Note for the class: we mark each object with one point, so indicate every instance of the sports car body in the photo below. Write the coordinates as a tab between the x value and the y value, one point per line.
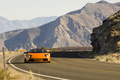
36	55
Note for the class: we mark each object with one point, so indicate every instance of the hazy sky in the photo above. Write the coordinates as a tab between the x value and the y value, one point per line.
28	9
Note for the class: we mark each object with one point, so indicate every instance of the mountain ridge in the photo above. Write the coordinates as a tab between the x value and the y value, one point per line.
103	2
69	30
7	25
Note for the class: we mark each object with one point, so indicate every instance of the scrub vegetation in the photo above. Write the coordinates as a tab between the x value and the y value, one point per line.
111	57
12	74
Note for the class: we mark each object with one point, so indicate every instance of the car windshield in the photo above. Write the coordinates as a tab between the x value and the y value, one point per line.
37	51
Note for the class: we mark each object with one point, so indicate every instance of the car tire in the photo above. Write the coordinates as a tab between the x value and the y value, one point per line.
49	62
25	61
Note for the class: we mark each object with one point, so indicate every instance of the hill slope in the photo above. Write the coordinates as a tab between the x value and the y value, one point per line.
106	38
72	29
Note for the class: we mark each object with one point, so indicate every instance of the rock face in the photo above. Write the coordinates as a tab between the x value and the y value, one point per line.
106	38
70	30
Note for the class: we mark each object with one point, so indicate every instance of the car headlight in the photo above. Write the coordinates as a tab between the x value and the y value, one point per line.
29	55
46	55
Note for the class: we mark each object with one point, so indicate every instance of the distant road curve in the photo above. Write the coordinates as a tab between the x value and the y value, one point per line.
69	66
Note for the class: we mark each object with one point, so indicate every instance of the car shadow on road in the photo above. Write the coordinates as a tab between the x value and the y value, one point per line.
25	63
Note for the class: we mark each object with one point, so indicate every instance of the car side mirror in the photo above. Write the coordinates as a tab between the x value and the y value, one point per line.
26	52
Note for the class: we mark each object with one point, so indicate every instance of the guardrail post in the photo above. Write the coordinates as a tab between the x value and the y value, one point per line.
3	49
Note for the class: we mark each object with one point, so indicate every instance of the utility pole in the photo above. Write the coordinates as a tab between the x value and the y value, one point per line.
3	49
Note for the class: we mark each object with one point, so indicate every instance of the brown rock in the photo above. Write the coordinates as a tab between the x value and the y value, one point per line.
106	38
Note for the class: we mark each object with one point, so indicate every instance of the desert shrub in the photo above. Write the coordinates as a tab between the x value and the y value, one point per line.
53	50
5	74
21	50
44	48
116	20
111	17
110	57
31	75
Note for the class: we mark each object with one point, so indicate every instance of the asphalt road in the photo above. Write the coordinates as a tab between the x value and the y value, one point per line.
71	66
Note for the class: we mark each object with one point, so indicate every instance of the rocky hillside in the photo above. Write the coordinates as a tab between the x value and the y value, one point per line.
106	38
72	29
7	25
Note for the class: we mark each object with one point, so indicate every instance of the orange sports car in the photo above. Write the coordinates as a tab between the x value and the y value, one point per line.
36	55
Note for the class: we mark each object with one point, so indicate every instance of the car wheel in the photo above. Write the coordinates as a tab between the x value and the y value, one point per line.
49	62
25	61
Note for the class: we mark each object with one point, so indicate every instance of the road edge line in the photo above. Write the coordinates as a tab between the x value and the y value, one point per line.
80	55
9	61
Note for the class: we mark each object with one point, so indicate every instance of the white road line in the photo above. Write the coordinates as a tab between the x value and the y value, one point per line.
80	55
9	61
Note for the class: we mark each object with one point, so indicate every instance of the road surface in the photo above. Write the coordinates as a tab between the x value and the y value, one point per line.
71	66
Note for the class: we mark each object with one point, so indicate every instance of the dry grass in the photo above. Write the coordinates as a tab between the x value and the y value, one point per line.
116	20
114	15
12	74
111	57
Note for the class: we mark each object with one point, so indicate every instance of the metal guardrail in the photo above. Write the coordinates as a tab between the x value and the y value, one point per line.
70	49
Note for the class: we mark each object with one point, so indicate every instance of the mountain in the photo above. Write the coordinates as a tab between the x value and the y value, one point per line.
72	29
7	25
103	2
106	38
117	4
